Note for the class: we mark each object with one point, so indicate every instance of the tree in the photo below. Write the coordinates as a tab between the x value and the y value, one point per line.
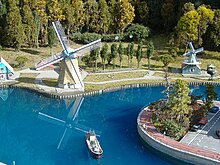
114	53
51	38
14	28
150	52
94	54
214	29
120	53
187	27
125	16
132	52
179	101
92	14
54	11
104	17
166	59
113	10
142	13
128	51
168	14
206	16
29	24
210	96
138	31
104	54
139	53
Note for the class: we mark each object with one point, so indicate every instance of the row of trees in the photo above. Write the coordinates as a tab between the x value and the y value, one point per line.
28	21
117	52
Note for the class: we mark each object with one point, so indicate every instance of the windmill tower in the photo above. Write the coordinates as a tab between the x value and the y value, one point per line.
69	76
191	65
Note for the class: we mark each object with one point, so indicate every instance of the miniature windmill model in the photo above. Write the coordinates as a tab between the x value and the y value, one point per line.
191	65
69	76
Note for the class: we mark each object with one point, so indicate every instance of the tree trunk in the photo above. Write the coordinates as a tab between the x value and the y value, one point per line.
149	63
120	64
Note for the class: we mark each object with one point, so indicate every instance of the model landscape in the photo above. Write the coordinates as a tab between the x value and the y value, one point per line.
72	49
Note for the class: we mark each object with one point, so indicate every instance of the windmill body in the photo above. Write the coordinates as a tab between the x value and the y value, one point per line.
69	76
191	65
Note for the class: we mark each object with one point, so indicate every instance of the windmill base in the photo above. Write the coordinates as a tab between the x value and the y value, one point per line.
70	86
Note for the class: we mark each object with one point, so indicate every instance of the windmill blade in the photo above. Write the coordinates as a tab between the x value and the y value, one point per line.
199	50
191	46
51	119
49	61
75	108
64	139
61	35
87	48
85	129
187	53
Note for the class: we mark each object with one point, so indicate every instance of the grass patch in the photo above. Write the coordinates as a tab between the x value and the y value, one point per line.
27	79
50	82
114	76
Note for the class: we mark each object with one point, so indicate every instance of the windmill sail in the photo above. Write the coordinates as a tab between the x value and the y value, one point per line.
61	35
49	61
87	48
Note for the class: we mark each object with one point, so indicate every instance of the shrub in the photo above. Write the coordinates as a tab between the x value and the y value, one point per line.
21	60
138	31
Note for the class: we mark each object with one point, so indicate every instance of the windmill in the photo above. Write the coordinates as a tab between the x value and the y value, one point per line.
70	123
69	76
191	65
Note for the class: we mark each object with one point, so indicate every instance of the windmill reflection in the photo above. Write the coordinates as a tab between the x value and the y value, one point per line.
5	93
71	122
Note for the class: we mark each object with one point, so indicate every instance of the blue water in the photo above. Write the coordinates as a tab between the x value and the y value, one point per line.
30	139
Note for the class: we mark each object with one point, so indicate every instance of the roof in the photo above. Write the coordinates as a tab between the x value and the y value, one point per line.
6	64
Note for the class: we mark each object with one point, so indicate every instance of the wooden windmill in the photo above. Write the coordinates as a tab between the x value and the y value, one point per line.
191	65
69	76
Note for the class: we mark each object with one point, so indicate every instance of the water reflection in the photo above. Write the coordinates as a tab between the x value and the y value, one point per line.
5	93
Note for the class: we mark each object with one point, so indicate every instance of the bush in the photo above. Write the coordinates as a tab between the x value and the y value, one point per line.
21	60
85	38
166	59
138	31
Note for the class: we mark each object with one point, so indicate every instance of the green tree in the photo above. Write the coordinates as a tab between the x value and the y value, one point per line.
210	96
51	38
114	53
187	27
214	30
179	102
168	14
113	10
104	54
92	15
139	53
14	29
142	13
138	31
128	52
149	52
125	16
166	59
120	53
206	16
29	24
94	54
104	17
132	53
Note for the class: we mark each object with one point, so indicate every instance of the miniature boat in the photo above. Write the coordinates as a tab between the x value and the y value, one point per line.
93	145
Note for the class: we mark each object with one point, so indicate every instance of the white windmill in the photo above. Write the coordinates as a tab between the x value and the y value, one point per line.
69	76
191	65
70	123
